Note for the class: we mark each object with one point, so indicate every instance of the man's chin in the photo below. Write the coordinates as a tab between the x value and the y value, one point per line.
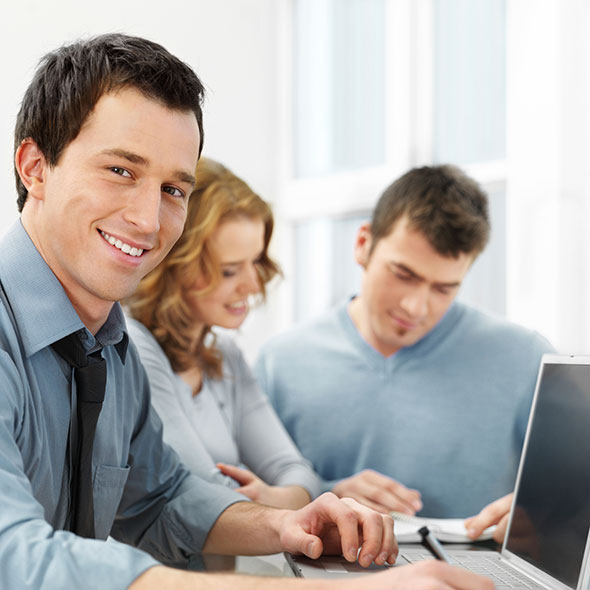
405	338
114	293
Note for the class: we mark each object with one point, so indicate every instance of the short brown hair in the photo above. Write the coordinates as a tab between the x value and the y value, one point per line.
161	301
70	81
441	202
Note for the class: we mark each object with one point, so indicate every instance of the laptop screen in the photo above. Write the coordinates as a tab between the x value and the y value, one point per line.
551	516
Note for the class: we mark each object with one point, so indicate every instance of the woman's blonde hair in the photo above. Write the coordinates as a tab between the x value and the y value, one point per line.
162	299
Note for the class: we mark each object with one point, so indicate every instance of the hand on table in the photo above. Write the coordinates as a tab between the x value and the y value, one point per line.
256	489
495	513
379	492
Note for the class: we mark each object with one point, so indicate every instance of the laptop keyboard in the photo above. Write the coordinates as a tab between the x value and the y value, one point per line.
503	576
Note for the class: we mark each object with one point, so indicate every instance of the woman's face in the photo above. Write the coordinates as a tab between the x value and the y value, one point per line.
237	245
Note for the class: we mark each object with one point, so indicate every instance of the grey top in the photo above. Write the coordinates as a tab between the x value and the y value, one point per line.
142	494
229	421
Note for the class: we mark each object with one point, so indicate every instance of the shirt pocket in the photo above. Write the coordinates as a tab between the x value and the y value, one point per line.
109	483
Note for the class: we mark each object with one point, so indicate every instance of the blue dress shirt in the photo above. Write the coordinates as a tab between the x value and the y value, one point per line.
143	496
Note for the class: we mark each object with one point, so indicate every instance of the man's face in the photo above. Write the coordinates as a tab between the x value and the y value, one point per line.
406	287
115	203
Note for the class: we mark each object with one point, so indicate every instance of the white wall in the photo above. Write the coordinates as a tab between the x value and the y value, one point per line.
230	43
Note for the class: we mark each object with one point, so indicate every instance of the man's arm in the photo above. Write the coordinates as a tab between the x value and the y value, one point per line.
164	510
420	576
34	554
327	525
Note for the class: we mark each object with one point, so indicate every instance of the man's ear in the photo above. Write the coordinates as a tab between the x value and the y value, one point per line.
362	246
31	166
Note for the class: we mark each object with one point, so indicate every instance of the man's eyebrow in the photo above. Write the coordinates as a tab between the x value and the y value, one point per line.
127	155
134	158
451	285
185	177
407	269
415	275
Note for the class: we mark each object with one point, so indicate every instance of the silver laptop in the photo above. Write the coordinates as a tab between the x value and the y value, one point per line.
546	544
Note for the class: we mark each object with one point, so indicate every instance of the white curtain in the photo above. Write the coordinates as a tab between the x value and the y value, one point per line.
548	148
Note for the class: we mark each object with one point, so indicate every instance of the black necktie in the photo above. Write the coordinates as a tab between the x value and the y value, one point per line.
90	373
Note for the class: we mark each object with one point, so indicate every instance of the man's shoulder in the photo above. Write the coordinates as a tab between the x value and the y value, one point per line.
317	333
10	341
481	328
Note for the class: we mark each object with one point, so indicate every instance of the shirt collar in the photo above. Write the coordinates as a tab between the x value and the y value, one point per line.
41	308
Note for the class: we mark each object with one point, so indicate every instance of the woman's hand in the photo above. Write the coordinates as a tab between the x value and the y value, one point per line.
256	489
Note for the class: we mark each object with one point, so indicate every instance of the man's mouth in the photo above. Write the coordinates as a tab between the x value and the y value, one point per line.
405	324
120	245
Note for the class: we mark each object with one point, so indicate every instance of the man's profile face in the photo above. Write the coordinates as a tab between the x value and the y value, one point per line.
115	203
407	287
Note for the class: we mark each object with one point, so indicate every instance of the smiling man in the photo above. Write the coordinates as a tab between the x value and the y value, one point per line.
404	398
106	144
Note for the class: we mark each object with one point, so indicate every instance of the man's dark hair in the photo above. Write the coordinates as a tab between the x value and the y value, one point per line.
441	202
69	82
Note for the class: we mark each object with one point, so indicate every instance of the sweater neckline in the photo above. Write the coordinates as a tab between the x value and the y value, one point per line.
376	359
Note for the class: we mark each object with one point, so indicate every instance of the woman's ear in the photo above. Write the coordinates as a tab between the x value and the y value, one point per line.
362	246
31	166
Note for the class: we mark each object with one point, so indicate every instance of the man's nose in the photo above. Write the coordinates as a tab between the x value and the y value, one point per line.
415	302
143	210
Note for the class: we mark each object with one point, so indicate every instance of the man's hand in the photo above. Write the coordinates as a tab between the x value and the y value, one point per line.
379	492
495	513
425	575
256	489
332	526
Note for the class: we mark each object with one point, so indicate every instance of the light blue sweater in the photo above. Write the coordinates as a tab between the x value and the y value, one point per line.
446	416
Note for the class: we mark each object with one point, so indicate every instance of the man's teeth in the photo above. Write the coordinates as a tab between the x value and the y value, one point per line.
131	250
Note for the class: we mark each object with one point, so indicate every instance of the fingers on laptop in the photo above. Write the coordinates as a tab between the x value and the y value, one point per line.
376	535
335	526
495	513
379	492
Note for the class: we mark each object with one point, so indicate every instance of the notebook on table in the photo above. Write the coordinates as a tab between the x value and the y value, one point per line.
448	530
546	543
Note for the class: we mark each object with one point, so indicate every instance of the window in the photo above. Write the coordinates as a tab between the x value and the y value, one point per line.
339	78
378	87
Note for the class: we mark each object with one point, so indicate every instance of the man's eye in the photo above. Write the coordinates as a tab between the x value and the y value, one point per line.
120	171
403	277
172	190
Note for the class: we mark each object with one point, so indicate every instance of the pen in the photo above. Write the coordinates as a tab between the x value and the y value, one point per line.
433	545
